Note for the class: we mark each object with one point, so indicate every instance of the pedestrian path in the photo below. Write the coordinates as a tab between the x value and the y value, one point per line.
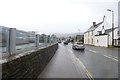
62	66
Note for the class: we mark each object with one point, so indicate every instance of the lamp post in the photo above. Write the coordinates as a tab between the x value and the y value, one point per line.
112	26
79	34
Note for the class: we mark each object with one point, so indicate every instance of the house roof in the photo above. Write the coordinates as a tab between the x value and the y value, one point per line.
92	28
109	30
101	35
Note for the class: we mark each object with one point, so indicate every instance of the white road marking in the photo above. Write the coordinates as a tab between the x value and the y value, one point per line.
92	51
114	57
80	64
111	58
85	69
108	56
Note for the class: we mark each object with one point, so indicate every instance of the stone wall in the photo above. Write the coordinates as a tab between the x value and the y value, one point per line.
28	66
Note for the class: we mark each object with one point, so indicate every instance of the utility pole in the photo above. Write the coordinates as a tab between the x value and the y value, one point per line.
112	26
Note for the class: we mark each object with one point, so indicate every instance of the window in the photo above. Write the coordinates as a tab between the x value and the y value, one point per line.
88	41
99	32
97	41
92	40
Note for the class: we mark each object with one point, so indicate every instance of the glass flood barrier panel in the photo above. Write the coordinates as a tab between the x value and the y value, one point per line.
24	40
42	40
4	33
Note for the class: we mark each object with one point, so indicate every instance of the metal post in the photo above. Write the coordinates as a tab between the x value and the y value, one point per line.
37	41
11	45
112	28
50	40
108	40
53	39
119	23
45	40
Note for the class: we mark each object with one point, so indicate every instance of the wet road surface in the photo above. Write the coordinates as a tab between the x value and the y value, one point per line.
94	62
100	62
64	64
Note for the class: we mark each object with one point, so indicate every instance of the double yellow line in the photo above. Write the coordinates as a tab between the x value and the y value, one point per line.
86	71
82	65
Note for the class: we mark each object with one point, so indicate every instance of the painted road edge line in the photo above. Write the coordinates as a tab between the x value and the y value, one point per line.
82	65
85	69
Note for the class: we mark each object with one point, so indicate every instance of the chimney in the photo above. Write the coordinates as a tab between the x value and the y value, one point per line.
104	18
94	23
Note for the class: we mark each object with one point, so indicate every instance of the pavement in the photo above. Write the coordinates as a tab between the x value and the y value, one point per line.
94	62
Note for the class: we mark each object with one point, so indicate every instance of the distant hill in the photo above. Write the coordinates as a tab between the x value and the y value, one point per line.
67	34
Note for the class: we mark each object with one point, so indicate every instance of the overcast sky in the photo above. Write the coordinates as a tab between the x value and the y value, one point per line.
55	16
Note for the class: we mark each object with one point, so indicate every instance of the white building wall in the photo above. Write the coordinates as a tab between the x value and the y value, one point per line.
115	36
85	38
105	40
88	38
101	41
92	37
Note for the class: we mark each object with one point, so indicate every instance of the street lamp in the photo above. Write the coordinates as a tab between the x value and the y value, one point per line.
112	26
79	34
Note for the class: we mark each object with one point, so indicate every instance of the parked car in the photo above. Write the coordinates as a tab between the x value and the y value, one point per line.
78	46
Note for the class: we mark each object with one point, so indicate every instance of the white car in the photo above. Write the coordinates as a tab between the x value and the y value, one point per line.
78	46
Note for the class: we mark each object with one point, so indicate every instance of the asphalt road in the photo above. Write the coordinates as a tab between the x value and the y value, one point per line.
99	61
64	64
93	62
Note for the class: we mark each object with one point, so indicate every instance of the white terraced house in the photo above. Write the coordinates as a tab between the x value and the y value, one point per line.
100	34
